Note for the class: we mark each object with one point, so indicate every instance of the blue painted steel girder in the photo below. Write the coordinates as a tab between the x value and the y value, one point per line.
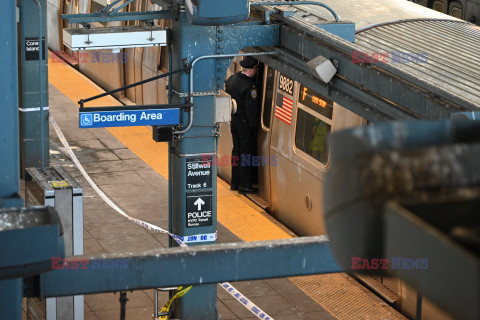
232	39
9	157
192	266
119	16
411	100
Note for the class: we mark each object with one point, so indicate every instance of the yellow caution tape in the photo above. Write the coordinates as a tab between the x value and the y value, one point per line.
166	308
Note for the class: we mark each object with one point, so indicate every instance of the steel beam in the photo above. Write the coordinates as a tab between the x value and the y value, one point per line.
206	264
231	39
346	95
119	16
384	85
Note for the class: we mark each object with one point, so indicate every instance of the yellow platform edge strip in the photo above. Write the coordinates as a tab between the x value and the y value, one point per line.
234	211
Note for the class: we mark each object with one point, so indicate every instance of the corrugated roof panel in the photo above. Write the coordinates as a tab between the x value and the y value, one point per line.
368	12
453	52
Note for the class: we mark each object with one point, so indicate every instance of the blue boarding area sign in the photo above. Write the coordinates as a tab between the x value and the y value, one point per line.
128	118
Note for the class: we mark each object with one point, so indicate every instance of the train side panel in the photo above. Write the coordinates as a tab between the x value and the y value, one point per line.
299	140
264	134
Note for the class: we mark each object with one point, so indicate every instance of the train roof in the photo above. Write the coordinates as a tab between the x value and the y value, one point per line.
367	13
450	44
451	49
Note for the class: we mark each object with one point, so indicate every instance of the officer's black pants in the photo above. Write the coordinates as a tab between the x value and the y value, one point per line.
243	149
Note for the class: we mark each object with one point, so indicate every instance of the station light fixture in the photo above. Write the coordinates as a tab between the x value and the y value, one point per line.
114	38
322	68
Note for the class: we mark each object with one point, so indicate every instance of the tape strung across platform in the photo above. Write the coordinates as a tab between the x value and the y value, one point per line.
259	313
166	308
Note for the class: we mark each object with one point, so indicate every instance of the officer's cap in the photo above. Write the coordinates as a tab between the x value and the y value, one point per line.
249	62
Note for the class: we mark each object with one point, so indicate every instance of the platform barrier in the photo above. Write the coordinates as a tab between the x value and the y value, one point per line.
56	188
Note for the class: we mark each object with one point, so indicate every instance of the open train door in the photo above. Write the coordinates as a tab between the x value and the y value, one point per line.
266	86
266	78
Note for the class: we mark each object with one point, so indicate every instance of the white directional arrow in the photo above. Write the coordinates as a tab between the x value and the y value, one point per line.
199	203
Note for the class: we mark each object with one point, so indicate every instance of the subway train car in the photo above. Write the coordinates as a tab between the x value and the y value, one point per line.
468	10
295	119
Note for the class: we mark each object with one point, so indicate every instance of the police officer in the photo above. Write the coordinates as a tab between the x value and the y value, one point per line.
245	122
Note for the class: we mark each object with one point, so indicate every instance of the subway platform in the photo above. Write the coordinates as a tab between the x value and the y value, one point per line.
132	170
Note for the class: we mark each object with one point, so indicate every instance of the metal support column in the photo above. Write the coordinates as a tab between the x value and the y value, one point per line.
9	158
191	216
11	299
193	201
10	290
33	120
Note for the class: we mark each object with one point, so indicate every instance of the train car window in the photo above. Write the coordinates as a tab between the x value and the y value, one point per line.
311	135
314	123
315	101
269	88
439	6
456	10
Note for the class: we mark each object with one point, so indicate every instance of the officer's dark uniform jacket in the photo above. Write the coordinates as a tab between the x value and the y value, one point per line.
244	126
242	88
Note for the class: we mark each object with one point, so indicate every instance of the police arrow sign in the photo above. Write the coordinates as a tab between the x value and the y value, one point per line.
199	209
199	203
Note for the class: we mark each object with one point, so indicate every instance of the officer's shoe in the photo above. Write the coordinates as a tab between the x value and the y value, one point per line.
234	187
247	190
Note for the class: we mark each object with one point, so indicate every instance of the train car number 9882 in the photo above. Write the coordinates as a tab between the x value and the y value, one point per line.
285	84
